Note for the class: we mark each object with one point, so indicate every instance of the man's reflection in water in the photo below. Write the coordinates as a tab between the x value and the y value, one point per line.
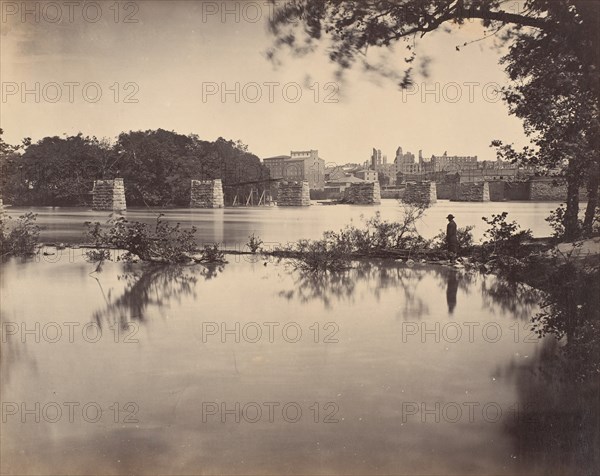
451	291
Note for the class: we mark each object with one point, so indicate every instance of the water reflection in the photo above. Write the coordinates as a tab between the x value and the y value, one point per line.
372	276
370	372
451	291
515	299
555	426
149	286
377	277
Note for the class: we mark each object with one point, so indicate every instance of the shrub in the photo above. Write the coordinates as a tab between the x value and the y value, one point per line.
162	243
212	254
97	255
379	234
18	237
319	256
254	243
503	237
334	250
464	235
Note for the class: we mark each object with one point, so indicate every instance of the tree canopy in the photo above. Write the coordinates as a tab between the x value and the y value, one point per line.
157	166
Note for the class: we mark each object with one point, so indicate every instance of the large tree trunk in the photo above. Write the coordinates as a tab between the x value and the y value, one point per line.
571	218
592	204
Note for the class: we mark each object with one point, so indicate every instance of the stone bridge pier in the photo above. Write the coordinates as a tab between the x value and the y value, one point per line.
366	193
207	194
293	194
109	195
472	192
420	193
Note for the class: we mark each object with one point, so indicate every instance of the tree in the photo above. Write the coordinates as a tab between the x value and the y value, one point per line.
545	36
157	166
55	170
8	154
383	179
554	90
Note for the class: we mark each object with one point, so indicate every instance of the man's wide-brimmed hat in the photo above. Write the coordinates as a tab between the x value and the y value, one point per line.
450	216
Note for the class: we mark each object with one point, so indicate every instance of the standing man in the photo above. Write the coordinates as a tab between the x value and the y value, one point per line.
451	237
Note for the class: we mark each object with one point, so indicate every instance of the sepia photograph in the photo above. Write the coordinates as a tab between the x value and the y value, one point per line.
300	237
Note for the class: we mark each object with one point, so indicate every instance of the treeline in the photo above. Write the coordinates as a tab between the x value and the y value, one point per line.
157	166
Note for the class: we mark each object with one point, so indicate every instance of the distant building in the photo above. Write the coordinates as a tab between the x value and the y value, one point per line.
448	163
334	173
405	163
376	159
298	166
367	175
339	185
379	164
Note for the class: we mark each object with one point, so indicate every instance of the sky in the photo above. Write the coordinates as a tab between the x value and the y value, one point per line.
101	68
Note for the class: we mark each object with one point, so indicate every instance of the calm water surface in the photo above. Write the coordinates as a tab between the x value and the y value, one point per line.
285	224
382	369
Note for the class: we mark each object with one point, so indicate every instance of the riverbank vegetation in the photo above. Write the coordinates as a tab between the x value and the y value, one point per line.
161	243
18	237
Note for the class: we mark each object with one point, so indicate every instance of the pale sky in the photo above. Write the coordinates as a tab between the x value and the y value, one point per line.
179	49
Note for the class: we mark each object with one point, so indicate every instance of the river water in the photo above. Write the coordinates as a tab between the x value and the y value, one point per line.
280	225
256	367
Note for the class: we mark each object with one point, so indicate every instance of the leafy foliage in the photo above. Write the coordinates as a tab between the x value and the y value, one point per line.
157	167
212	254
18	237
464	235
378	234
335	249
254	243
97	255
504	237
163	243
319	256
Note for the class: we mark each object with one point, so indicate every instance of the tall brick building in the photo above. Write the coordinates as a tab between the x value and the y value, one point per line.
298	166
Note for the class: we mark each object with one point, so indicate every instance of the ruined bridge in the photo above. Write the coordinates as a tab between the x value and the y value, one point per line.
110	194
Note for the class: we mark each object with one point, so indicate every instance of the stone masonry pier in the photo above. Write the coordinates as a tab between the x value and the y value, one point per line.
420	193
472	192
293	194
109	195
547	189
207	194
366	193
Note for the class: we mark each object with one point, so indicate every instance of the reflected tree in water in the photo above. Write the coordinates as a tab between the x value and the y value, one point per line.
151	286
512	298
327	286
555	423
337	286
12	351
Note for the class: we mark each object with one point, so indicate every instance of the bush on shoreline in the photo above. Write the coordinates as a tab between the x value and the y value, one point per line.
335	250
464	235
162	243
504	238
18	237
